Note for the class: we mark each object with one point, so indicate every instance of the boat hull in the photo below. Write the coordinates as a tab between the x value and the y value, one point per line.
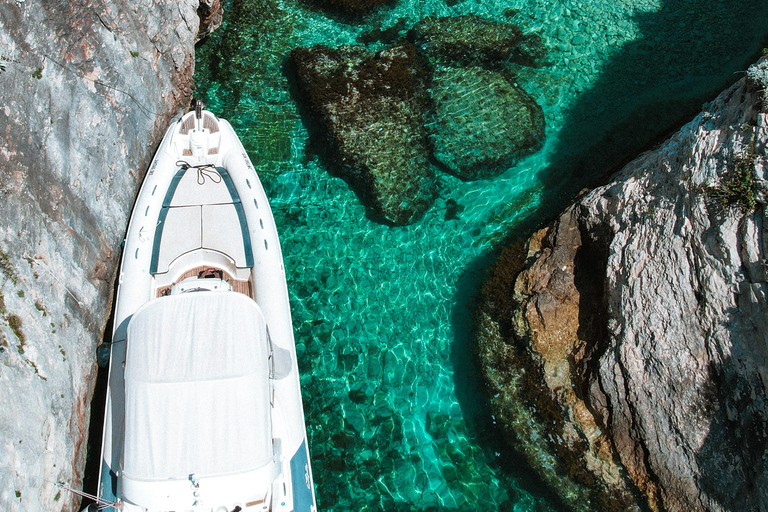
156	259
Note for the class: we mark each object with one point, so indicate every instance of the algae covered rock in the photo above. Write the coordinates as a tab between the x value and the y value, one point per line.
369	111
448	95
624	345
474	41
482	121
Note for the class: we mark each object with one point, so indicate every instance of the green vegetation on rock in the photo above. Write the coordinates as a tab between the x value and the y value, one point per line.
737	187
6	267
14	322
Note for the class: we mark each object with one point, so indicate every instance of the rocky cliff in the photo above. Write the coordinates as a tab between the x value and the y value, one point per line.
87	89
626	345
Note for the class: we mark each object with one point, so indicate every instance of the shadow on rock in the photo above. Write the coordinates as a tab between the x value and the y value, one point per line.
734	456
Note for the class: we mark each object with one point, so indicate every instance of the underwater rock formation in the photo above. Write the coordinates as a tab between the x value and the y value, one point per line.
350	7
448	95
481	121
369	109
88	89
624	345
473	41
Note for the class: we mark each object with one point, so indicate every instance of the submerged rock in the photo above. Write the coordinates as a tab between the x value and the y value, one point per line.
369	111
376	113
481	122
624	345
350	7
88	89
474	41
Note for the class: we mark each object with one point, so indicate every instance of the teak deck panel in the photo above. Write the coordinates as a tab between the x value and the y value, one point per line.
238	286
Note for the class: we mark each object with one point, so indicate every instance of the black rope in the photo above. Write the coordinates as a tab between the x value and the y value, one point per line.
203	171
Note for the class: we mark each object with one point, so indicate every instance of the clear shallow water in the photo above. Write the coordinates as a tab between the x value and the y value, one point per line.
394	410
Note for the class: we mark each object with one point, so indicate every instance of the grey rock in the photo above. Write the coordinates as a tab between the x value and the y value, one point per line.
86	91
637	323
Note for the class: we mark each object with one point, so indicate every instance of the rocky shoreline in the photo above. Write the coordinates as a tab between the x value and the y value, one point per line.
624	344
87	90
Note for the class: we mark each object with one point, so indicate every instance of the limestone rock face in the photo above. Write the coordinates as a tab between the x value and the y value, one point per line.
626	344
370	110
87	89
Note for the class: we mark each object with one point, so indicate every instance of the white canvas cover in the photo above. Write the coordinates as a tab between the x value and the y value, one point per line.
197	388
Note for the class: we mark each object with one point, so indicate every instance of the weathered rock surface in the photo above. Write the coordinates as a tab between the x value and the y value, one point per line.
625	345
211	14
481	121
87	89
370	111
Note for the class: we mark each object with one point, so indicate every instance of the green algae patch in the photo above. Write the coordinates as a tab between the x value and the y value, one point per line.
14	322
6	268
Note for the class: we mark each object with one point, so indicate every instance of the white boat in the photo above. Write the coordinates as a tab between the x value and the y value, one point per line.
203	409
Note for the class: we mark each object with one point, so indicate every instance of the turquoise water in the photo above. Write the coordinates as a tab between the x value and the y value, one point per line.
395	412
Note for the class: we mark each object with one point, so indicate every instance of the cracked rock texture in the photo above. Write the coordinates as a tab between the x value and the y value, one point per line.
626	345
87	88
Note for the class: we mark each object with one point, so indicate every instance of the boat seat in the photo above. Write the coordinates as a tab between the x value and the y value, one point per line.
198	187
201	211
186	228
